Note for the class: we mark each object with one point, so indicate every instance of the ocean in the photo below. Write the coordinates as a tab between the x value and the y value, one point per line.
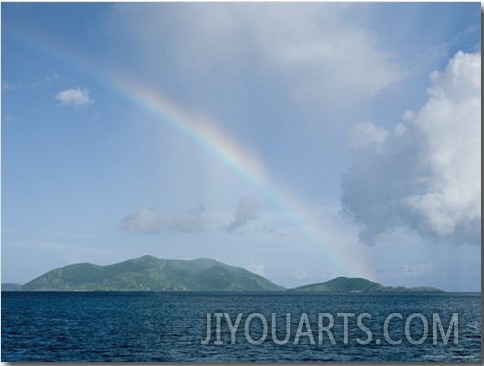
172	326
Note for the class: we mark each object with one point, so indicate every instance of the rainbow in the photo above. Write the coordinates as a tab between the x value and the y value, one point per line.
246	164
200	131
215	141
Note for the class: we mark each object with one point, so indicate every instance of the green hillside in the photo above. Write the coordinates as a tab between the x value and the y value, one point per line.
151	274
342	284
356	285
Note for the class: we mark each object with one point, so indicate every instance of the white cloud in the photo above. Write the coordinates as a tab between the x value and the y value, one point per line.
323	57
256	267
450	123
400	129
20	85
50	78
408	115
247	210
149	221
8	86
366	134
77	97
429	177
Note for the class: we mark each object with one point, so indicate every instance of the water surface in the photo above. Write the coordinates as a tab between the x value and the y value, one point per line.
142	326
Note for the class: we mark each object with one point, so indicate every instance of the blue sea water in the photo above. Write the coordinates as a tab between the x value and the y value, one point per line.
129	326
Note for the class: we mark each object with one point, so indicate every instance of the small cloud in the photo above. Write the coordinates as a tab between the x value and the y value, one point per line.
247	210
400	129
77	97
257	268
148	221
8	86
49	79
408	115
366	134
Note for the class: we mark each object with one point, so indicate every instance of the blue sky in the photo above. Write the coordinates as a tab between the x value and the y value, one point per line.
300	141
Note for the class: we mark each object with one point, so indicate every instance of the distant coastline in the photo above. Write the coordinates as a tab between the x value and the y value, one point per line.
149	273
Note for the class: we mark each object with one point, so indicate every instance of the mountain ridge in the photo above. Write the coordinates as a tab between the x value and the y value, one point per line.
149	273
358	285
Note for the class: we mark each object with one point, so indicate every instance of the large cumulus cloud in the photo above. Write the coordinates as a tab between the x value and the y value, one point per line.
425	174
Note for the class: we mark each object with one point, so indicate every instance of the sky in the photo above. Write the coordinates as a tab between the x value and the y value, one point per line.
299	141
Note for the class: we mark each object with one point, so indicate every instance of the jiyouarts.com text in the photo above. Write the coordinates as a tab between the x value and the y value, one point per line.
324	328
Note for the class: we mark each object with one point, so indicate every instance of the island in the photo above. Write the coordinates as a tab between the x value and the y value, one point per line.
149	273
358	285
